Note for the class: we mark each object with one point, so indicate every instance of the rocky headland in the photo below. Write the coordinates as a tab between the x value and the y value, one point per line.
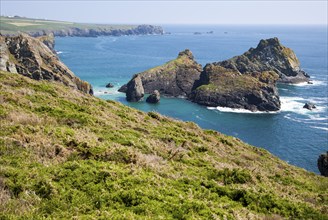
247	81
35	58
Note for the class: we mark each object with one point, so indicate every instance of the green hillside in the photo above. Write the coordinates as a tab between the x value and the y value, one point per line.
13	25
64	154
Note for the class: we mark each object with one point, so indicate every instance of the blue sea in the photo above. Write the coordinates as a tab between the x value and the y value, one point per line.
294	134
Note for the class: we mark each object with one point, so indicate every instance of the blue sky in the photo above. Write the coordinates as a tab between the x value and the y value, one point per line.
173	12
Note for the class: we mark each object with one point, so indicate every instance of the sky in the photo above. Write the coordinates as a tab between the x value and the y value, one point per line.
173	12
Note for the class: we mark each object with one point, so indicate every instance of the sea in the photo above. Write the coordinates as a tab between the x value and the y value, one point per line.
294	134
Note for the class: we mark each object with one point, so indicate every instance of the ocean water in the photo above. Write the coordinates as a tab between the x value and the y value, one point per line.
294	134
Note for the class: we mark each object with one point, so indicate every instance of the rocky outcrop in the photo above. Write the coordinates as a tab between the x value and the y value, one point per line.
323	164
154	97
135	90
269	55
219	86
309	106
49	41
175	78
100	30
30	57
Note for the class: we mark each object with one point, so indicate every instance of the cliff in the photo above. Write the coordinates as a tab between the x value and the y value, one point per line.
31	57
12	26
175	78
219	86
69	155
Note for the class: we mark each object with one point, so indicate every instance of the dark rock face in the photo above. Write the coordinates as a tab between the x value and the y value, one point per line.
49	41
100	31
135	90
323	164
109	85
309	106
269	55
175	78
30	57
223	87
154	97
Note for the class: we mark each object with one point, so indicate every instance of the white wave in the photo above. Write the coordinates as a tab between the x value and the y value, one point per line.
59	52
295	104
238	110
312	83
99	92
321	128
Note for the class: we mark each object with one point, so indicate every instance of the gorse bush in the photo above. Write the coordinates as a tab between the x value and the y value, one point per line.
65	155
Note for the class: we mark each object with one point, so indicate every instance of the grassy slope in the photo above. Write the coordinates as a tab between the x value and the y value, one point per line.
65	154
7	25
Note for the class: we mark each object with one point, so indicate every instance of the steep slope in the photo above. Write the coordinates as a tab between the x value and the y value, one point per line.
65	154
33	58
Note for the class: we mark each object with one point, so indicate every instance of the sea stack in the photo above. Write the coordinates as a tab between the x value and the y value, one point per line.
135	90
154	97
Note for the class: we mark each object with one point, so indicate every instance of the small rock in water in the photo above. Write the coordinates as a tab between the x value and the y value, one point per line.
154	97
323	164
310	82
309	106
109	85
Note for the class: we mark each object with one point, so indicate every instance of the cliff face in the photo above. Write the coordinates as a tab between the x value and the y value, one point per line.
219	86
100	31
175	78
30	57
269	55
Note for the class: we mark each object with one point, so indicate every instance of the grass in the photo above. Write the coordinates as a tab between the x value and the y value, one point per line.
13	25
64	154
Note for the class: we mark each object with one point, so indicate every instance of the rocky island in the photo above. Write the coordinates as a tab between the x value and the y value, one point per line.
247	81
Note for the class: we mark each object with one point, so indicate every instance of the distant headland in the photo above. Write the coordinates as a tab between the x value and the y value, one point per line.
38	27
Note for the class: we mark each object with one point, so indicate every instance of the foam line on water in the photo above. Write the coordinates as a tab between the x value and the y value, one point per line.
238	110
320	128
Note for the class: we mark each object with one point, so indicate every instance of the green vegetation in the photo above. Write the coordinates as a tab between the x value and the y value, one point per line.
13	25
64	154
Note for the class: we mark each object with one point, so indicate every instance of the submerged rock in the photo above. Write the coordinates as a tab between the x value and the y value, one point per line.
323	164
30	57
309	106
109	85
135	90
154	97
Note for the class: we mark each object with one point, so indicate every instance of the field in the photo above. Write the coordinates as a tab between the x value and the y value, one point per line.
13	25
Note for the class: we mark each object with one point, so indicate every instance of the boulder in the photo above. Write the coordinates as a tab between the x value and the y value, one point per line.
309	106
109	85
323	164
154	97
135	90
